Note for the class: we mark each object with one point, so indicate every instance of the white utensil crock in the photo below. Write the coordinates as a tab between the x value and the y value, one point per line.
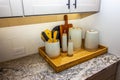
52	49
91	40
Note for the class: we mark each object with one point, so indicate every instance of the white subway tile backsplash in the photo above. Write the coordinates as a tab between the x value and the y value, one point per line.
26	36
6	50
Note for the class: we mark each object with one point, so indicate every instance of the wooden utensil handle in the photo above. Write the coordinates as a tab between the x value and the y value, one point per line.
66	19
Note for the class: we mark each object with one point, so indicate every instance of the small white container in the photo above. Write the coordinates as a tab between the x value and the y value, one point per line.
70	48
52	49
64	42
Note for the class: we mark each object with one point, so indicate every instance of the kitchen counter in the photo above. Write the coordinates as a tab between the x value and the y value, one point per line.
34	67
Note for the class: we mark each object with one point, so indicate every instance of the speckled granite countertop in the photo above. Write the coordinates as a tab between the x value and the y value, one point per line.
34	67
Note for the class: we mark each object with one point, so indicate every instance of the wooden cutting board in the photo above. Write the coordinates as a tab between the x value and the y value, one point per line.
65	27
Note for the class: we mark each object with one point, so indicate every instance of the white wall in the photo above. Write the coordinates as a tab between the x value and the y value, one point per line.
107	22
19	41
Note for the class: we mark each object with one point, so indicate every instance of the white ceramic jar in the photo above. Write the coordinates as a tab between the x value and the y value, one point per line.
52	49
76	37
91	40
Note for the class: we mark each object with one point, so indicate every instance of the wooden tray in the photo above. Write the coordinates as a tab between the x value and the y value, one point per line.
63	61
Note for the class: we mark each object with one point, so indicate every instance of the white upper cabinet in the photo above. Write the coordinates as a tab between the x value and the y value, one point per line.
16	7
37	7
84	5
5	10
9	8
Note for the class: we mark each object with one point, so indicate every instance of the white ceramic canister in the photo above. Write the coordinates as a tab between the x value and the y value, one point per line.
52	49
76	37
91	40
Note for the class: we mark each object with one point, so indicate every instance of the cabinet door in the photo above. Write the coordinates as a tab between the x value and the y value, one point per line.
16	7
38	7
9	8
5	10
85	5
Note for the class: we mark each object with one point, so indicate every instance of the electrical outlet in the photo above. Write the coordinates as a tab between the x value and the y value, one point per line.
19	51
